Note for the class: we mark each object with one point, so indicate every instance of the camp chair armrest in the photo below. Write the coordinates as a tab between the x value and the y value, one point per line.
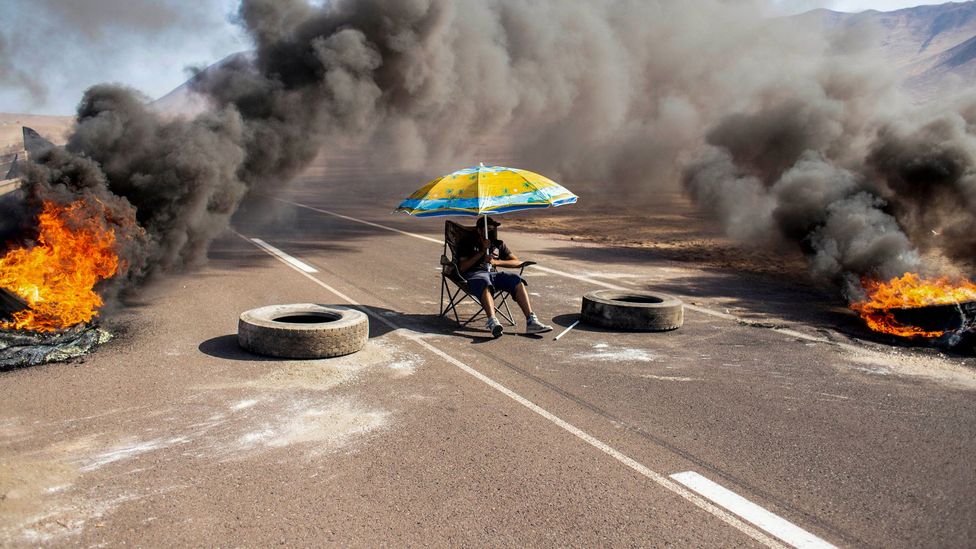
525	264
453	271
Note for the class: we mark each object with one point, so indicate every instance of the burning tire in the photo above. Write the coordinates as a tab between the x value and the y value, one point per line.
634	311
302	331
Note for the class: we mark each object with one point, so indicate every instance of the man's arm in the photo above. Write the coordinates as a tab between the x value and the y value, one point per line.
465	264
511	263
511	260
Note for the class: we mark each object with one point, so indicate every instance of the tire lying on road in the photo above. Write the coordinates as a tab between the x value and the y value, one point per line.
302	330
632	311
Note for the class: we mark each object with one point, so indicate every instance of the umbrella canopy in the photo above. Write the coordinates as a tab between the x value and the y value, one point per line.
483	190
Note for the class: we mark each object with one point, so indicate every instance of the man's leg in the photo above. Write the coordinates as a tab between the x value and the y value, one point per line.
480	285
488	302
532	324
522	298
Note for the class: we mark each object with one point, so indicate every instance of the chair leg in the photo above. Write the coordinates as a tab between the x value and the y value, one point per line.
477	313
471	318
503	310
443	287
451	302
458	296
455	302
509	317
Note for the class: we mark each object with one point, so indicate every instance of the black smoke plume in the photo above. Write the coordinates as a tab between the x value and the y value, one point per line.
878	200
789	136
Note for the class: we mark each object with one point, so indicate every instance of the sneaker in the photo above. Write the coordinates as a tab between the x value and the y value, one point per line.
495	327
533	326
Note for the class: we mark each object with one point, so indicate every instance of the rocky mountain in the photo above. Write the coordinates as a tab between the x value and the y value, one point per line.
183	101
933	47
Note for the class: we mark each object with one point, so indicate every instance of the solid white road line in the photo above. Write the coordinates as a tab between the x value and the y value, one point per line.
775	525
660	479
357	220
582	278
300	265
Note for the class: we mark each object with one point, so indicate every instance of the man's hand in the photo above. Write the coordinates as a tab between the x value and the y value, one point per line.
486	249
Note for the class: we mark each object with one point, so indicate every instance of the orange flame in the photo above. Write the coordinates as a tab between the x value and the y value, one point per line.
908	292
57	275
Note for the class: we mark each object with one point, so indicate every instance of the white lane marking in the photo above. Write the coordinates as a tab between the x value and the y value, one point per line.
301	265
660	479
774	524
571	326
582	278
364	222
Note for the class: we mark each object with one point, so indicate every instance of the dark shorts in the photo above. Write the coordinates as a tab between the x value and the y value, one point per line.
498	280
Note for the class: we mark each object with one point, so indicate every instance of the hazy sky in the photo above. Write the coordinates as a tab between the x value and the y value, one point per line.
796	6
52	50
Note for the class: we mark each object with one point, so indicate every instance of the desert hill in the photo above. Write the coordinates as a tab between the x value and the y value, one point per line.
932	47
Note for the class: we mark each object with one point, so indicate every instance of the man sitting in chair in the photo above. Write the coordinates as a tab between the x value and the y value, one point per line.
478	261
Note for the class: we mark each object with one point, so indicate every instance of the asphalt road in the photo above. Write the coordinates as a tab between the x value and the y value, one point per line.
434	435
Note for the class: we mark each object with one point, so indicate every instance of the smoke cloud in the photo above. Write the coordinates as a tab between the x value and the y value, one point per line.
875	195
16	78
789	136
54	49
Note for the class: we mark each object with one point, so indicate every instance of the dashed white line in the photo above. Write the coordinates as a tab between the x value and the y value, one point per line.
300	265
357	220
640	468
775	525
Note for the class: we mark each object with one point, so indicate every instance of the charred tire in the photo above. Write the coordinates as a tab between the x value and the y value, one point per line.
302	331
632	311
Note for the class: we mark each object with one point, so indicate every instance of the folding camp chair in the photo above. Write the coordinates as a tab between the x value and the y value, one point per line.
454	235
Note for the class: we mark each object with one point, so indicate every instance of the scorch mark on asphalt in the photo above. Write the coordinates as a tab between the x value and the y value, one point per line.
727	516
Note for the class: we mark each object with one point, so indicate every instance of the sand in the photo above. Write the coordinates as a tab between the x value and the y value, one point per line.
670	227
53	128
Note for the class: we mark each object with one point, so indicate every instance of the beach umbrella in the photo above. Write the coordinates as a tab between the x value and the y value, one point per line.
484	190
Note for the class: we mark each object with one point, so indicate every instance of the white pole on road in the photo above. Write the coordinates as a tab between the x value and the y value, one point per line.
571	326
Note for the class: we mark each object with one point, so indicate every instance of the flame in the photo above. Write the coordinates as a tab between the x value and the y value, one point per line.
908	292
57	275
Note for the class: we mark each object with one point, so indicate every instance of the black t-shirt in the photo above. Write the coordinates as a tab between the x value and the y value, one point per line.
471	246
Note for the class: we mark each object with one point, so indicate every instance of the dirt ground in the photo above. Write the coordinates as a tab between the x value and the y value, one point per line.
673	228
53	128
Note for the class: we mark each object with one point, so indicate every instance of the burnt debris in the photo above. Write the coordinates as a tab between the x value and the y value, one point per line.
950	318
20	348
10	303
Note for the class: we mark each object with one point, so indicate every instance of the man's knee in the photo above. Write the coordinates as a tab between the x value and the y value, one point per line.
511	282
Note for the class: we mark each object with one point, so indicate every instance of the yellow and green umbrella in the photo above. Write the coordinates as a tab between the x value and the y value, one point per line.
483	190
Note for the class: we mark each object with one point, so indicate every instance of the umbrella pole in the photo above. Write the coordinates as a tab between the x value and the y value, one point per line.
489	241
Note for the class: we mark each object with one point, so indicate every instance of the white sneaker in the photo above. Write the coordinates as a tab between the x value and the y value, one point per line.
533	326
495	327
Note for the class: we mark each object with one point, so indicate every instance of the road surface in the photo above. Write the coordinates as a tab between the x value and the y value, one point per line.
769	419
